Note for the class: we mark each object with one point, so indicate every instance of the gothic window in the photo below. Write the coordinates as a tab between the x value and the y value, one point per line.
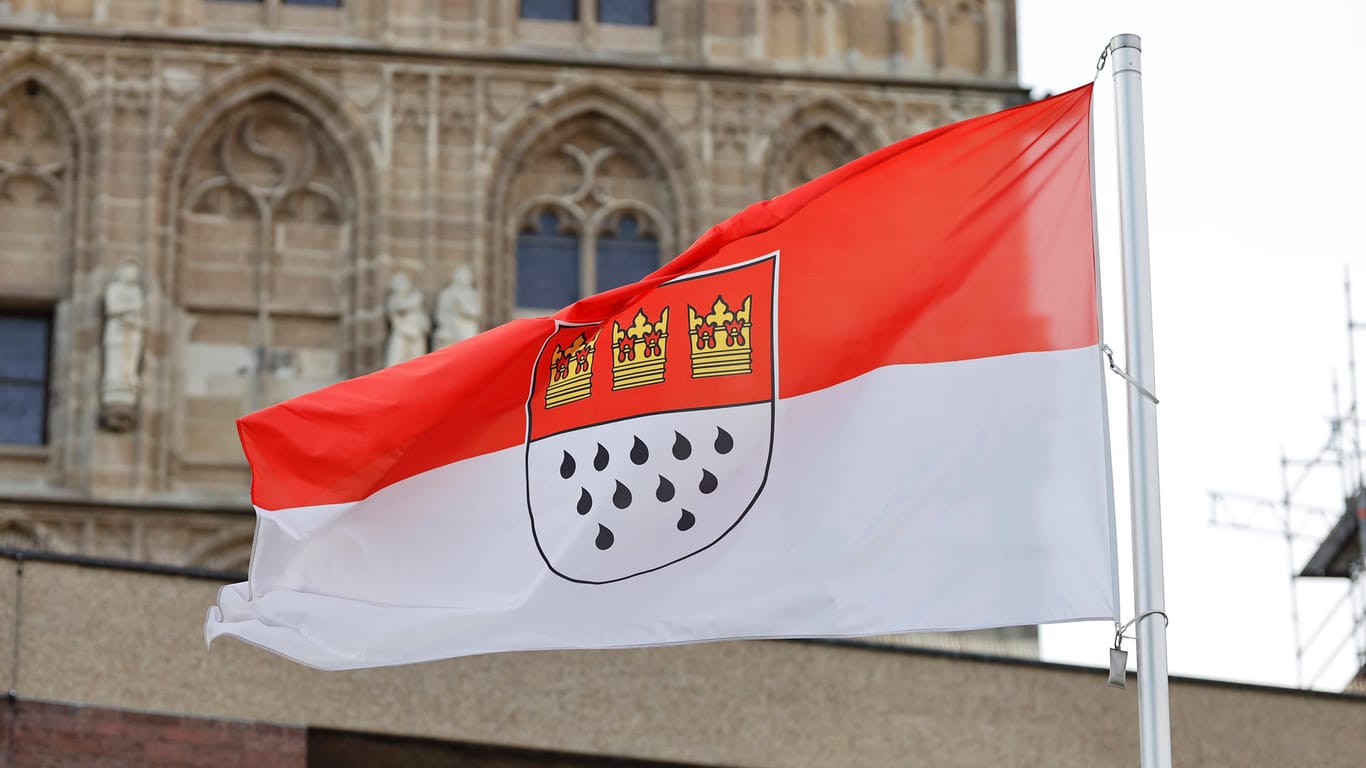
551	10
806	153
636	13
964	27
37	170
548	270
24	363
37	177
264	259
633	12
591	211
625	253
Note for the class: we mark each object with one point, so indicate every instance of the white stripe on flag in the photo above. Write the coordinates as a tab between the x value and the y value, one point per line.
942	496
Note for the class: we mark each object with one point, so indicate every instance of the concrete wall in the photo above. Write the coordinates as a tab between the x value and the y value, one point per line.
132	640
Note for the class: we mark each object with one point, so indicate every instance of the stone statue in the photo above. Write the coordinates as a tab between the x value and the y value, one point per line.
125	332
409	324
458	308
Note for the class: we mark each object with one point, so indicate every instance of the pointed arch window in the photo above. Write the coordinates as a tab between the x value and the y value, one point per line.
548	263
639	13
266	247
551	10
556	266
24	363
589	209
626	253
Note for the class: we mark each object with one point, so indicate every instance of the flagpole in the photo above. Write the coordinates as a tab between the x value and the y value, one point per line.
1154	716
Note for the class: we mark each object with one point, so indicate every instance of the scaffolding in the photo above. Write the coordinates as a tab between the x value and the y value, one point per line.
1337	535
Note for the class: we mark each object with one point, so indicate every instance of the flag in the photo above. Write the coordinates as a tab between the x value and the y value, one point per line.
871	405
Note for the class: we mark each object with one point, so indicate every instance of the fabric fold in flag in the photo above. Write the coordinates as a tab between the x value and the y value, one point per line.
873	404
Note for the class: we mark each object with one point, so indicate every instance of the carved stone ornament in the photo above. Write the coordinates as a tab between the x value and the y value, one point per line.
125	331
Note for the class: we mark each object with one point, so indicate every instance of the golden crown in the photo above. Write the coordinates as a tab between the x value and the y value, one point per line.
719	340
571	372
638	351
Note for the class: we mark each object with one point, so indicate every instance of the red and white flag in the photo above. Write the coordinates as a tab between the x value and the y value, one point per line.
871	405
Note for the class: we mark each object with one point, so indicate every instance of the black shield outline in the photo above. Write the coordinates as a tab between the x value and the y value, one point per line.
772	417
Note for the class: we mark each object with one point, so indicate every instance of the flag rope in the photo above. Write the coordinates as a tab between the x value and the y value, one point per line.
1120	637
1123	374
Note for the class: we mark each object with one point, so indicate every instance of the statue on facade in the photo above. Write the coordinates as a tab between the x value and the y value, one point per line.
458	308
125	332
409	324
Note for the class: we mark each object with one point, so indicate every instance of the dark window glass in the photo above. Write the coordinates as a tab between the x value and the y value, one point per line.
547	265
626	256
640	13
323	3
23	378
552	10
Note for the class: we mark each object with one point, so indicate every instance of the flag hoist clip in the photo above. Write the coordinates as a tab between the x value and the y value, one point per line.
1123	374
1119	658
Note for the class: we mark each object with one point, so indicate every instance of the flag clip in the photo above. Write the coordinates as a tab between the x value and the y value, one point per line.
1119	658
1123	374
1100	63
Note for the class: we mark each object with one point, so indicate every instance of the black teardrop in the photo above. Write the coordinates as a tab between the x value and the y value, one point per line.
605	537
665	491
686	520
708	483
600	458
682	448
622	497
585	501
724	442
567	466
639	453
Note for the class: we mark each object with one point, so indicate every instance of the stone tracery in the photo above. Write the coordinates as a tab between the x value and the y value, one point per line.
599	184
262	322
37	166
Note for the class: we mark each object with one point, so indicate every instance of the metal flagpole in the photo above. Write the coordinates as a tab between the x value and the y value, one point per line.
1154	717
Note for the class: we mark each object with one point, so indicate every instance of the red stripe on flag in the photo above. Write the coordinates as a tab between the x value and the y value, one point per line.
968	241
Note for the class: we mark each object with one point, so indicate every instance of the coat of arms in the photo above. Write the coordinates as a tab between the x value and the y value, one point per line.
649	435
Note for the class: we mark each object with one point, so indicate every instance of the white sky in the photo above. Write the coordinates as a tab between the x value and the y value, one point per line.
1254	144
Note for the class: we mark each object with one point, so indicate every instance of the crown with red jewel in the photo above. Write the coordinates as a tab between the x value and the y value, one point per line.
639	350
719	339
571	372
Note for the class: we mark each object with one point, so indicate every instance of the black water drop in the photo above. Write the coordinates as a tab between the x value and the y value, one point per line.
585	501
600	458
567	466
686	520
639	453
622	497
724	442
605	537
708	483
665	491
682	448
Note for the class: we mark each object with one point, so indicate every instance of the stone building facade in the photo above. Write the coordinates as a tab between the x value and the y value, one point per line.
263	168
204	207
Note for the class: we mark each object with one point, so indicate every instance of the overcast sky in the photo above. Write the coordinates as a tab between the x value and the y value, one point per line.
1254	143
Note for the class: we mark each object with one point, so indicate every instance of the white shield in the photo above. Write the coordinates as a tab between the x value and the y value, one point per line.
634	493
